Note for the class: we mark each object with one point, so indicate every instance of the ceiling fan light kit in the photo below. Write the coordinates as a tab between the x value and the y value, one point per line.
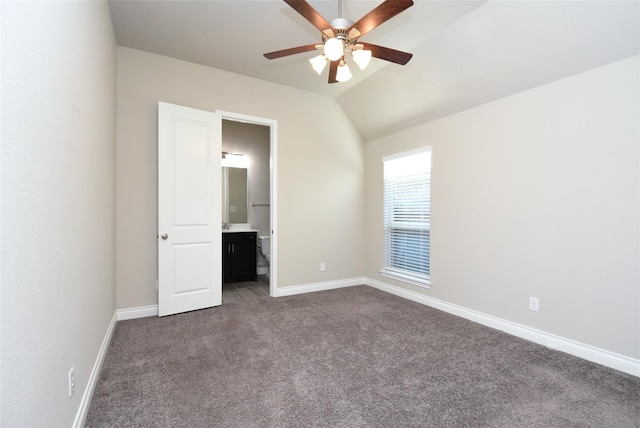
318	63
340	37
333	48
343	74
361	57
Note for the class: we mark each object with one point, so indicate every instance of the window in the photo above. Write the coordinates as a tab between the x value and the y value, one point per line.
407	216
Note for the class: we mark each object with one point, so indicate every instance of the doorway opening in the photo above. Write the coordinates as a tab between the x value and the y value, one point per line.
249	200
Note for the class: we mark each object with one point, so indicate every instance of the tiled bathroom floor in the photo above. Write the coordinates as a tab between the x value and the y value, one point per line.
243	291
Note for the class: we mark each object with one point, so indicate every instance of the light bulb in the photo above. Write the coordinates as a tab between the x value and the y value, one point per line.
343	74
235	160
318	63
361	57
333	49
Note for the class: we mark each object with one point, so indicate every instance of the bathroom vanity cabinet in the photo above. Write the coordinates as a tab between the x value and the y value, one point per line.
239	256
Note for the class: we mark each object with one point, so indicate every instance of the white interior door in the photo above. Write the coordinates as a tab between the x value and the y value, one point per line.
189	215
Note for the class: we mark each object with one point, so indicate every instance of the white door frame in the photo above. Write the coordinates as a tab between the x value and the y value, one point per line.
273	136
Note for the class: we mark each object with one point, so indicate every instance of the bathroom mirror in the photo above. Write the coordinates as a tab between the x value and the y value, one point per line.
234	195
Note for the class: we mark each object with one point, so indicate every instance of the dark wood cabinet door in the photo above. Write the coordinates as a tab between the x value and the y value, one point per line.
239	257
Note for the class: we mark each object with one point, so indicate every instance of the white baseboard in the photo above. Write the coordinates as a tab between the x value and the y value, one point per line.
83	410
317	286
139	312
577	349
152	310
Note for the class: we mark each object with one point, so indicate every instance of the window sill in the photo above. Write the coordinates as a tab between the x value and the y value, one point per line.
425	283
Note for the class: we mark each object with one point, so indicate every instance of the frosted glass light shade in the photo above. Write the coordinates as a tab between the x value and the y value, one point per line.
343	74
361	57
235	160
318	63
333	49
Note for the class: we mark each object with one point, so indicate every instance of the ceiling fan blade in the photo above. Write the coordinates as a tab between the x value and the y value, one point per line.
383	12
290	51
333	71
387	54
311	15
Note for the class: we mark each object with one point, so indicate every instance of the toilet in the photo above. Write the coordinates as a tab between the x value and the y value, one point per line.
264	243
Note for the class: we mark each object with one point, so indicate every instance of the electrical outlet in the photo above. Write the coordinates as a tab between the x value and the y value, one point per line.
323	267
534	304
72	382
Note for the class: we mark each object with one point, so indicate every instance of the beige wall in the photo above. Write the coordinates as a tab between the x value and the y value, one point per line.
320	174
58	204
537	195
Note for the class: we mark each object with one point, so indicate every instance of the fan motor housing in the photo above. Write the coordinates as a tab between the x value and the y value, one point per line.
341	29
341	24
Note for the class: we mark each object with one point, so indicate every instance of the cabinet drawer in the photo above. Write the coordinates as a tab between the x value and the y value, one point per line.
233	237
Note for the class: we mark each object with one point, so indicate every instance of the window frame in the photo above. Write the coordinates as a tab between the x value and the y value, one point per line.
387	270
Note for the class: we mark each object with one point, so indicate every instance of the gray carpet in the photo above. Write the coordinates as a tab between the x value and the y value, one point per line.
352	357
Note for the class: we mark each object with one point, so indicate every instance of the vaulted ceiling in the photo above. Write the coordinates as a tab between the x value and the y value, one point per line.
465	53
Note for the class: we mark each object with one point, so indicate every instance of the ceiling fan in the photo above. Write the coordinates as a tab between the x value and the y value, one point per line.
341	36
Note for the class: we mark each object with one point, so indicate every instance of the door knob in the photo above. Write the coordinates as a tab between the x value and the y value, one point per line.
164	236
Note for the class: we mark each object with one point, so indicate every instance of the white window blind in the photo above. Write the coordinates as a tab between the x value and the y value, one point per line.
407	216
